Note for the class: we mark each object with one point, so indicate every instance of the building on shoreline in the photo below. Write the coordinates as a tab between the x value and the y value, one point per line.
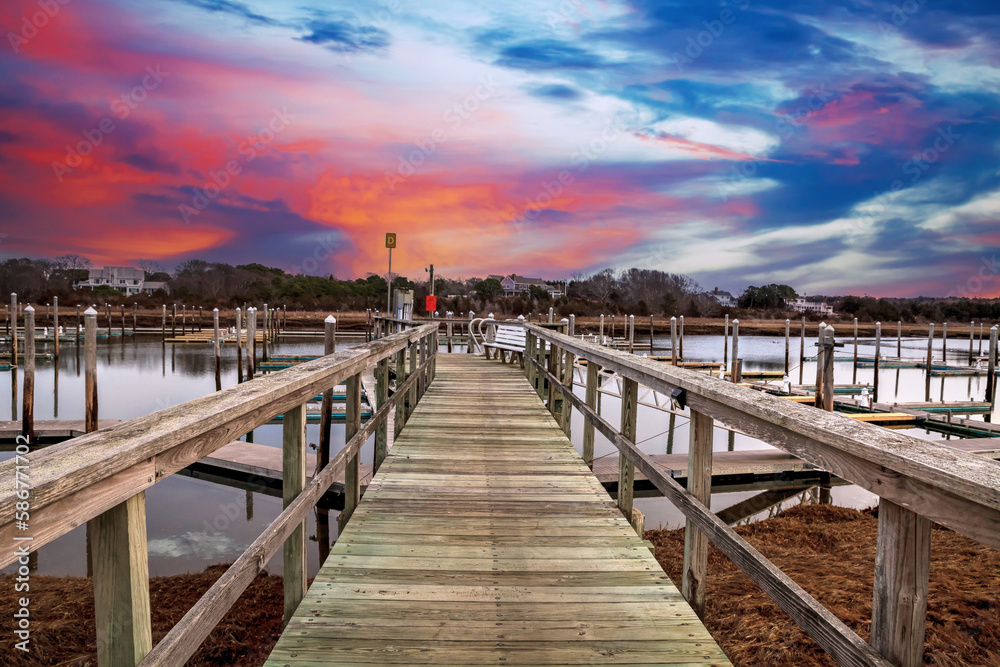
514	284
803	305
724	299
126	279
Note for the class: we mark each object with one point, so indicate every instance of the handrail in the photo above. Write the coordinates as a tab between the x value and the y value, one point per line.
917	481
100	478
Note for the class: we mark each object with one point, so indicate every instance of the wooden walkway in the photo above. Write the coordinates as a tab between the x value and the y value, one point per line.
485	539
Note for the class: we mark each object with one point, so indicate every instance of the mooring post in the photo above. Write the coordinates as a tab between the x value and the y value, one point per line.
820	365
650	334
218	350
699	485
878	353
612	328
725	341
673	341
55	324
980	349
265	333
28	398
930	353
79	332
293	478
626	469
972	338
551	314
680	337
90	368
571	331
326	418
183	319
902	567
736	351
13	329
828	385
122	306
788	333
135	316
631	333
899	339
601	339
239	346
450	330
163	325
251	342
802	352
173	322
944	342
991	367
593	378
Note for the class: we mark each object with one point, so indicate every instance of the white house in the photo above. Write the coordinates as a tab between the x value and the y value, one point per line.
126	279
803	305
725	299
515	284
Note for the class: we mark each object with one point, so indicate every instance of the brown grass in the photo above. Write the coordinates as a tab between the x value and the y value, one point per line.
830	552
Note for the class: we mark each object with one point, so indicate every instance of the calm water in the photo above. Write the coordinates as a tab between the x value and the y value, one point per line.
195	523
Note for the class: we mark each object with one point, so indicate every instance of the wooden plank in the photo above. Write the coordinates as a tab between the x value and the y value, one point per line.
293	470
629	422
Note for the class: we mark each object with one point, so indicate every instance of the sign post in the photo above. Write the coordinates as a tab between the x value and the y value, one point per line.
390	243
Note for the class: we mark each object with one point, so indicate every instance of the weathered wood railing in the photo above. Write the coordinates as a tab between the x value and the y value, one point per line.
100	479
917	481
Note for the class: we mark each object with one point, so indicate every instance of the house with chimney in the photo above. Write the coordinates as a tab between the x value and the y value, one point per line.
126	279
514	285
725	299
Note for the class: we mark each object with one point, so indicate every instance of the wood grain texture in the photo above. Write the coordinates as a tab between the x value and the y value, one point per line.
293	477
629	423
699	485
485	539
593	373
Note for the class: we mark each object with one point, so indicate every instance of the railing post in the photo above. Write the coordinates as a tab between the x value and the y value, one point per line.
381	398
593	378
28	404
399	418
329	347
90	369
699	485
352	473
529	368
626	469
293	476
13	329
412	396
902	565
567	381
422	375
555	355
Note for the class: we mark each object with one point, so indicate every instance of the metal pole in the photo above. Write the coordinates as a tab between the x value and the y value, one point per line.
388	298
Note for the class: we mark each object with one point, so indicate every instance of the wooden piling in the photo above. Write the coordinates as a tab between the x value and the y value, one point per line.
673	341
251	342
55	325
820	365
13	329
293	481
699	485
612	327
123	322
135	316
631	333
828	381
802	352
265	333
173	322
736	350
680	337
626	469
601	338
218	350
571	330
855	377
90	368
972	338
944	342
163	325
725	342
352	473
450	330
650	334
28	394
899	339
927	371
551	314
878	352
991	367
788	335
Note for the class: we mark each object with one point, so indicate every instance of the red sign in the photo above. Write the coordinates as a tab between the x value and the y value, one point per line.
432	304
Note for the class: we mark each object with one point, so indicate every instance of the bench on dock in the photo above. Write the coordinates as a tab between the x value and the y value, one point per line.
508	338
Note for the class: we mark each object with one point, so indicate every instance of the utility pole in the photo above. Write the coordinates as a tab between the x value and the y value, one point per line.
390	243
431	290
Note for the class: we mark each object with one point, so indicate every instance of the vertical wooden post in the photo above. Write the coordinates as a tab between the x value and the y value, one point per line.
266	332
529	353
551	314
680	337
600	340
991	366
352	473
567	382
163	325
878	354
902	565
699	485
184	317
930	354
118	557
28	398
412	396
123	321
381	398
173	322
736	350
593	378
899	339
239	346
944	342
788	336
626	469
820	365
571	331
329	347
55	324
725	342
828	348
90	368
400	378
13	329
293	480
217	341
554	358
972	338
450	331
631	333
251	342
135	316
674	358
422	375
469	345
855	380
802	353
79	330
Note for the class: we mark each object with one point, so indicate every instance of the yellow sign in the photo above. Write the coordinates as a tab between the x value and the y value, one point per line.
390	240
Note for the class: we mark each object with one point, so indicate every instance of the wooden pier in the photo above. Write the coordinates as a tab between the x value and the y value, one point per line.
485	539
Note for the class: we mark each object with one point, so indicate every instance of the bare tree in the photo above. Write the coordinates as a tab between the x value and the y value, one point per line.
72	261
149	266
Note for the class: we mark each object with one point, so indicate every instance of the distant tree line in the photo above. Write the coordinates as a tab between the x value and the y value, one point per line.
634	291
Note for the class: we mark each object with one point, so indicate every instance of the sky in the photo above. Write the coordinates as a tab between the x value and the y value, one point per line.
840	147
